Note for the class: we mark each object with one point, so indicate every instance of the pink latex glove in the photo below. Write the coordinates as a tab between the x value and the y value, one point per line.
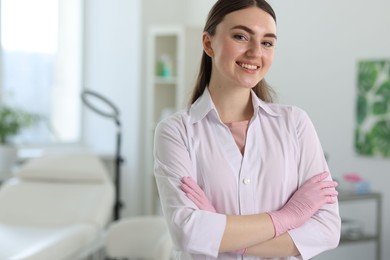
306	201
196	194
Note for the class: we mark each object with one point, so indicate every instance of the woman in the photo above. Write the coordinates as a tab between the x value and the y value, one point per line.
238	175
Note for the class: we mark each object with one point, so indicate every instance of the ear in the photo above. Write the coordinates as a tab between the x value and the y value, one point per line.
206	40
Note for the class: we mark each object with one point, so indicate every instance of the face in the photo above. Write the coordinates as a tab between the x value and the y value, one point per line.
242	48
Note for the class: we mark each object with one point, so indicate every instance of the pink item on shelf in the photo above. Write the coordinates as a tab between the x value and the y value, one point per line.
352	177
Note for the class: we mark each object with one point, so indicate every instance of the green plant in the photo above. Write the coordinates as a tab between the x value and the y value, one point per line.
372	133
12	120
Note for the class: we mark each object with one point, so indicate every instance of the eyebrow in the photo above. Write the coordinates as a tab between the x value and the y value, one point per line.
250	31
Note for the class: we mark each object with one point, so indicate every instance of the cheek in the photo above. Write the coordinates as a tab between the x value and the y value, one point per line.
224	58
224	52
227	50
268	58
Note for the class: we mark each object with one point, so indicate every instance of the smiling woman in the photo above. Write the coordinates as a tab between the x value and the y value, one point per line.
41	65
237	174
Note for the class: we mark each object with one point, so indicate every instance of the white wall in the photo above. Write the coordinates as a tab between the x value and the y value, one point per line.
112	68
319	45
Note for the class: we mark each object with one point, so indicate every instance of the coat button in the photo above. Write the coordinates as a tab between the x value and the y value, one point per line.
246	181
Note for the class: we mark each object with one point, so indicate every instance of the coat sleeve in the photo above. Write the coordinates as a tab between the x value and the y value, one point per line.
192	230
322	231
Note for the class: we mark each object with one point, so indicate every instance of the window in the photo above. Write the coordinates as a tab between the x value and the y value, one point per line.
41	66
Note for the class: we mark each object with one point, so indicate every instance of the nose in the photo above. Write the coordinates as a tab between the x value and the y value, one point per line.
255	50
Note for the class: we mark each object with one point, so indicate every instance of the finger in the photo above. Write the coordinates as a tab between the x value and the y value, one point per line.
188	190
317	178
322	176
331	200
191	182
328	184
194	200
332	193
186	179
199	203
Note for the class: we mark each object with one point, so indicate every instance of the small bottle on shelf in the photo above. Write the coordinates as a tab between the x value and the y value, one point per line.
164	67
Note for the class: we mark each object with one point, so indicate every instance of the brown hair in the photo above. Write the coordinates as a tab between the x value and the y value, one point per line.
220	9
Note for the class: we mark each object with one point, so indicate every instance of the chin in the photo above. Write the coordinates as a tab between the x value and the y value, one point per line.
249	85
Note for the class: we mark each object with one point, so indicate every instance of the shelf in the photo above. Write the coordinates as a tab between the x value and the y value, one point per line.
165	45
375	197
358	196
179	48
165	81
363	238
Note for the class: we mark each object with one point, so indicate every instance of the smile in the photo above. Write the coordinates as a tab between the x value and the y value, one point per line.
248	66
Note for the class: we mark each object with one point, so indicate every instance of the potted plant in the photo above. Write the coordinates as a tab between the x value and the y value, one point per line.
12	121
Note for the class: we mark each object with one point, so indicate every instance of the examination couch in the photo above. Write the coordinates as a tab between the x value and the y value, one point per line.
55	207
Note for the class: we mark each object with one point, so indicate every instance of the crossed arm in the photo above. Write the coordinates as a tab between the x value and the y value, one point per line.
258	234
273	240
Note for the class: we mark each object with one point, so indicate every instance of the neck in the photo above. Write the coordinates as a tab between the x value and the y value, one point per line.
233	104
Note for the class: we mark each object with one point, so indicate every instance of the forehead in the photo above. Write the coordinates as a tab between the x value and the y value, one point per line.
252	17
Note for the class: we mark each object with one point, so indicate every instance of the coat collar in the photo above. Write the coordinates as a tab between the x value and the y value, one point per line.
205	105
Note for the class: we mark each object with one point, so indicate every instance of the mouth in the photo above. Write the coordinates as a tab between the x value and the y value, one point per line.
248	66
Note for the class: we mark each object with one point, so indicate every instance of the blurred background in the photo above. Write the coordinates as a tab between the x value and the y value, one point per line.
144	55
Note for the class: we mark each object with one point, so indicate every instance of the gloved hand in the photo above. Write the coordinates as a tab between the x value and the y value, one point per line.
196	194
309	198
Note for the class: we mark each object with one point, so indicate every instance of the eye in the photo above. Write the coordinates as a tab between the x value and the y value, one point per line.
268	44
240	37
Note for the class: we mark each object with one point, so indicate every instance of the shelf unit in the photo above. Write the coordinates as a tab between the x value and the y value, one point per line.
166	93
376	237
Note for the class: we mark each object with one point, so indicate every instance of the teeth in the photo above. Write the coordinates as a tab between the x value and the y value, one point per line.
248	66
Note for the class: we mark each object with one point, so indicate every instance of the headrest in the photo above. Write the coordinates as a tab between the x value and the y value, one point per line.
65	167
